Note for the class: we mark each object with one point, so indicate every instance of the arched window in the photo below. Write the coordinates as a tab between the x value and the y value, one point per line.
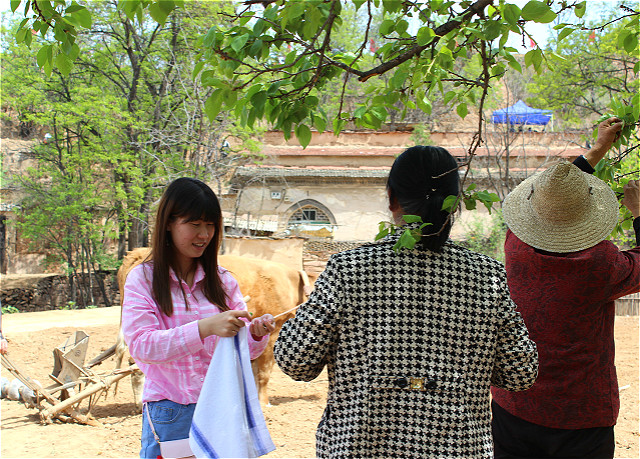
309	214
310	218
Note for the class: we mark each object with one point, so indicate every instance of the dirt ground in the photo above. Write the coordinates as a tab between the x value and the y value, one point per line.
292	417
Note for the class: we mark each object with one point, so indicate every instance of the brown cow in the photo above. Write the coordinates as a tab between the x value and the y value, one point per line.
271	287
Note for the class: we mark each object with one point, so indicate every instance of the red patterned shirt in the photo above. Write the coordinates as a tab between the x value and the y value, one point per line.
567	303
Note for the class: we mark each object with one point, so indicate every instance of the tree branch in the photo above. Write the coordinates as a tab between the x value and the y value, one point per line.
475	9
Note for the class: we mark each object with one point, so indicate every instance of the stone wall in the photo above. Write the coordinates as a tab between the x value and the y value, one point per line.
317	253
42	292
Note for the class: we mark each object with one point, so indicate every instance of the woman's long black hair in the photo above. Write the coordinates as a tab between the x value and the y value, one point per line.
420	180
192	200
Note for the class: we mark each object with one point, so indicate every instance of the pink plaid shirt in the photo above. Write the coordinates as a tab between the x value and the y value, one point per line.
169	350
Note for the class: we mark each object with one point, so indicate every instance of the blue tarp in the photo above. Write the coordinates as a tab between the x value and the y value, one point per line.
521	113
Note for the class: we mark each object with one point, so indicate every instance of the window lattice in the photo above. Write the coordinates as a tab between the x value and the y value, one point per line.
309	214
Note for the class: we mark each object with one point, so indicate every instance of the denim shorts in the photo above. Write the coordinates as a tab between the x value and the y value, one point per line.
171	421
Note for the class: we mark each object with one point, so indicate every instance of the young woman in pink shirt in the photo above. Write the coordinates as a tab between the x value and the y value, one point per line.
176	306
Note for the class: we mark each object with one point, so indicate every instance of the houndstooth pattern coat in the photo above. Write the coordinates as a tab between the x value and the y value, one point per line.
412	342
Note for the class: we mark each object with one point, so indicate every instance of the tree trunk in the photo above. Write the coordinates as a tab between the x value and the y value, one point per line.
103	290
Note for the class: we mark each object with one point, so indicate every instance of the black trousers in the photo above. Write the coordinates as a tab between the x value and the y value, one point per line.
514	437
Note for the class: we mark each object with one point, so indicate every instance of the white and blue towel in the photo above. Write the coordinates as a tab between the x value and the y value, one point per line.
228	419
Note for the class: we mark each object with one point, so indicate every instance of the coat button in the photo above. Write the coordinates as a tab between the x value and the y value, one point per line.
402	383
431	385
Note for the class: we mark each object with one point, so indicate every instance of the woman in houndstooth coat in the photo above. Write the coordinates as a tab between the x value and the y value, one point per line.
413	340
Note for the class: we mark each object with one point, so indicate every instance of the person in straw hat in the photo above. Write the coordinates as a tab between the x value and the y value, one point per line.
565	277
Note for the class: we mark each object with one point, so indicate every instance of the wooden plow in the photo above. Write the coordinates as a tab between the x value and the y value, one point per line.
74	382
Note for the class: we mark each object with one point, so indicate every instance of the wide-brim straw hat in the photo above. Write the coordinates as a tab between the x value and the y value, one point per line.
561	210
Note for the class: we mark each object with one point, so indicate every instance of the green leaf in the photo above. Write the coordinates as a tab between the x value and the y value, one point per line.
158	13
259	27
48	67
64	64
338	125
319	123
230	98
20	34
462	110
392	5
402	26
630	43
258	101
533	57
253	90
290	57
74	52
210	37
309	29
296	10
386	27
83	17
424	104
36	25
407	240
412	218
360	111
580	9
368	120
196	69
538	12
384	232
497	69
379	112
44	28
448	96
256	48
511	14
275	87
238	42
213	104
129	8
167	5
450	203
492	29
14	5
488	196
59	32
73	7
44	55
513	62
303	133
565	32
358	3
47	8
425	36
